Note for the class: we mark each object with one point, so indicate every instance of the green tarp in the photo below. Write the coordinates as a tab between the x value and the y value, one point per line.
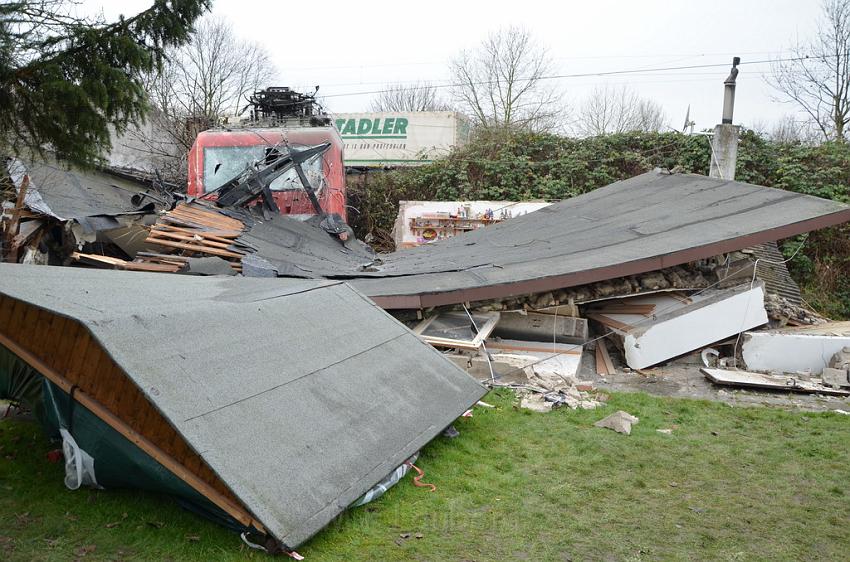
118	463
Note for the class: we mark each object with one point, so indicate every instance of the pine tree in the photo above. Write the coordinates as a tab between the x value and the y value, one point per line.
64	80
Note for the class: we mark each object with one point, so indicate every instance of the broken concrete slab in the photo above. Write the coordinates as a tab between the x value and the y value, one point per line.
798	349
769	382
619	421
677	326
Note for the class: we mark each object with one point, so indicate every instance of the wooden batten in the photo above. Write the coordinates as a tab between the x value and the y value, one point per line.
64	351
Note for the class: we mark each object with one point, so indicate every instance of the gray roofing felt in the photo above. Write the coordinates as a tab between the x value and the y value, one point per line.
299	394
651	221
74	194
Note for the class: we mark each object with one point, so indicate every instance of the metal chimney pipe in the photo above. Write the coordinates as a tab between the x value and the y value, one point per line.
729	93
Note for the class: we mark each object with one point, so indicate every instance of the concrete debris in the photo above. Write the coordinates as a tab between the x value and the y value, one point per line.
836	378
799	349
782	312
796	383
841	359
540	402
619	421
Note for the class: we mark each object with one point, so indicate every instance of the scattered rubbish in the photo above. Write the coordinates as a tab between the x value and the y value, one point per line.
536	403
706	355
619	421
679	326
770	382
450	432
423	222
801	348
665	431
842	412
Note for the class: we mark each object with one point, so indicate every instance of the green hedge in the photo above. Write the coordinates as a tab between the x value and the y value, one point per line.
526	166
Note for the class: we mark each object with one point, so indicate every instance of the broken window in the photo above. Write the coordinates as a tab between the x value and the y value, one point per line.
455	329
223	163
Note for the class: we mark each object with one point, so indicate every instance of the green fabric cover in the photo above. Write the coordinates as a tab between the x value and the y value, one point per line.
118	463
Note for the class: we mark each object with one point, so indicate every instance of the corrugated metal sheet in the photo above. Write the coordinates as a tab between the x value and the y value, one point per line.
772	270
299	394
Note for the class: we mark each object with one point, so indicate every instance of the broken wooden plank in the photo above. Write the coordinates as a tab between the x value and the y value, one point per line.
603	356
195	248
609	322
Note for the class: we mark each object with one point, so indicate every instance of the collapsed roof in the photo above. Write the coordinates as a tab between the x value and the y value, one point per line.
81	195
645	223
281	401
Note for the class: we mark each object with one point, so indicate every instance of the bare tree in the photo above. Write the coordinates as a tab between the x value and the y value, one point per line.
502	83
791	129
818	80
210	77
414	97
618	110
199	85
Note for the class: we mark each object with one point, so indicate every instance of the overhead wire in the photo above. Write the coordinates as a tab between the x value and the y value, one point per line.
575	75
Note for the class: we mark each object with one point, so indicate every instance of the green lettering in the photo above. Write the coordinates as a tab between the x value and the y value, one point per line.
401	126
388	125
340	123
376	127
364	127
349	128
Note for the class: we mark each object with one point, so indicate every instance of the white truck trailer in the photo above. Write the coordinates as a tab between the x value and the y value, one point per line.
388	139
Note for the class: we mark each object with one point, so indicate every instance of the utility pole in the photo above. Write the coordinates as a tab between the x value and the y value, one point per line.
724	143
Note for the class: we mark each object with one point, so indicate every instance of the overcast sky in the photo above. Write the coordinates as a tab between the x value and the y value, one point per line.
350	47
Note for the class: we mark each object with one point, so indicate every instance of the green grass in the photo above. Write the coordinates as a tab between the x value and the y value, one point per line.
728	484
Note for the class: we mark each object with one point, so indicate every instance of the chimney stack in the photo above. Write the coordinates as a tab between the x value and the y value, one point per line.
724	143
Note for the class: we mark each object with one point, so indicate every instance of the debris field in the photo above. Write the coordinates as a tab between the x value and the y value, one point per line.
310	370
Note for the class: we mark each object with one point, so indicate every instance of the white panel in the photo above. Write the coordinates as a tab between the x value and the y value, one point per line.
790	353
692	329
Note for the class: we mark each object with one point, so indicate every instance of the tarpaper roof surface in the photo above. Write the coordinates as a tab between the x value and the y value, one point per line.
645	223
67	194
299	394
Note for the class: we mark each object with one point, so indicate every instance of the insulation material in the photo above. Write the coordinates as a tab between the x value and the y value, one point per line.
679	326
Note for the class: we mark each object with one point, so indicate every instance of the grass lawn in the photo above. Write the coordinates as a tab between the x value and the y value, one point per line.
729	484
